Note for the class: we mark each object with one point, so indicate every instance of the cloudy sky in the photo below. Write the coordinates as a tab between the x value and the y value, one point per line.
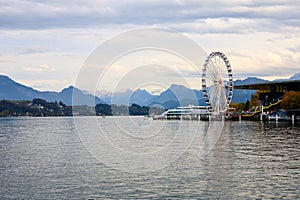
43	44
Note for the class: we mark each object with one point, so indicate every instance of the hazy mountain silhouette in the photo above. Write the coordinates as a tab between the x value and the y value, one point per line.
127	97
177	95
11	90
250	80
141	97
295	77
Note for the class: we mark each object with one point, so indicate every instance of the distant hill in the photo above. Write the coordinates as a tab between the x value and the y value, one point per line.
177	95
244	95
82	98
295	77
141	97
170	98
250	80
11	90
292	78
127	97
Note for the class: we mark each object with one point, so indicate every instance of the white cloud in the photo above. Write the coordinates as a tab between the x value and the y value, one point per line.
39	69
7	59
46	84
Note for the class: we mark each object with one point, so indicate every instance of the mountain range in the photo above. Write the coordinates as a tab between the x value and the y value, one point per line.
11	90
176	95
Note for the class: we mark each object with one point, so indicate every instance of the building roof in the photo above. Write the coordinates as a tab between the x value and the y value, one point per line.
267	85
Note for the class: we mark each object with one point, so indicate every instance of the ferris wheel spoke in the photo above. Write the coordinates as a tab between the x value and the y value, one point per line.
211	91
211	80
212	76
212	95
213	67
216	96
214	61
220	70
224	96
220	63
223	70
217	67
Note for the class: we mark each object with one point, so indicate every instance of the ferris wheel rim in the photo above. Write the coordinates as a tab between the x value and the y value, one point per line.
215	104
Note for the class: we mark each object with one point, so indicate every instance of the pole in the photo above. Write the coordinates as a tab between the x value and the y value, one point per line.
262	112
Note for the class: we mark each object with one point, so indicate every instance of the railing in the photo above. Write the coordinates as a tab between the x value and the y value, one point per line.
265	108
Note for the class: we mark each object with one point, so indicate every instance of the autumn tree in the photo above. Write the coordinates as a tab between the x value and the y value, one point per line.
238	106
254	101
291	100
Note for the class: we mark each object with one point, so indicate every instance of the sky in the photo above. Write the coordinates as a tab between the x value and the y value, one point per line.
43	44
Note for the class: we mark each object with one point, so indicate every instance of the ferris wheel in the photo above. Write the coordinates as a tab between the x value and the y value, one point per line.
217	82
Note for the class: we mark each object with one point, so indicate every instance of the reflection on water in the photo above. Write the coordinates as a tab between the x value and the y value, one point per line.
44	158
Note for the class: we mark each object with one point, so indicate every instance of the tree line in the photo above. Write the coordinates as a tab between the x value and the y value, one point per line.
41	108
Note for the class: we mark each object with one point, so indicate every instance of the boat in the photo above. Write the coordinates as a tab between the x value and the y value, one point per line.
278	118
190	112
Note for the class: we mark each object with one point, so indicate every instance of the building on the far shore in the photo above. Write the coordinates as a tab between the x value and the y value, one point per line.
271	93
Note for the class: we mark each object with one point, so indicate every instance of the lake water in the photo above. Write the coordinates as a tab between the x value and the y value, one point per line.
59	158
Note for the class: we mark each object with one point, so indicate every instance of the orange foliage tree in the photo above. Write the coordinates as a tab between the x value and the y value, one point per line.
238	106
254	101
291	100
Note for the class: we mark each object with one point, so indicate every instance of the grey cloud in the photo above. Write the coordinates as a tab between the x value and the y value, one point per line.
37	14
294	49
265	72
33	50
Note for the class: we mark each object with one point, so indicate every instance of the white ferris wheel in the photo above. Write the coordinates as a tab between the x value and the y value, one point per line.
217	82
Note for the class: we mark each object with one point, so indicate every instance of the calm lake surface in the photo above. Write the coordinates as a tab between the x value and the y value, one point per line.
45	158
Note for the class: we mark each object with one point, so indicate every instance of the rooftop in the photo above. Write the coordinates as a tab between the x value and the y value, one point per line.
293	85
